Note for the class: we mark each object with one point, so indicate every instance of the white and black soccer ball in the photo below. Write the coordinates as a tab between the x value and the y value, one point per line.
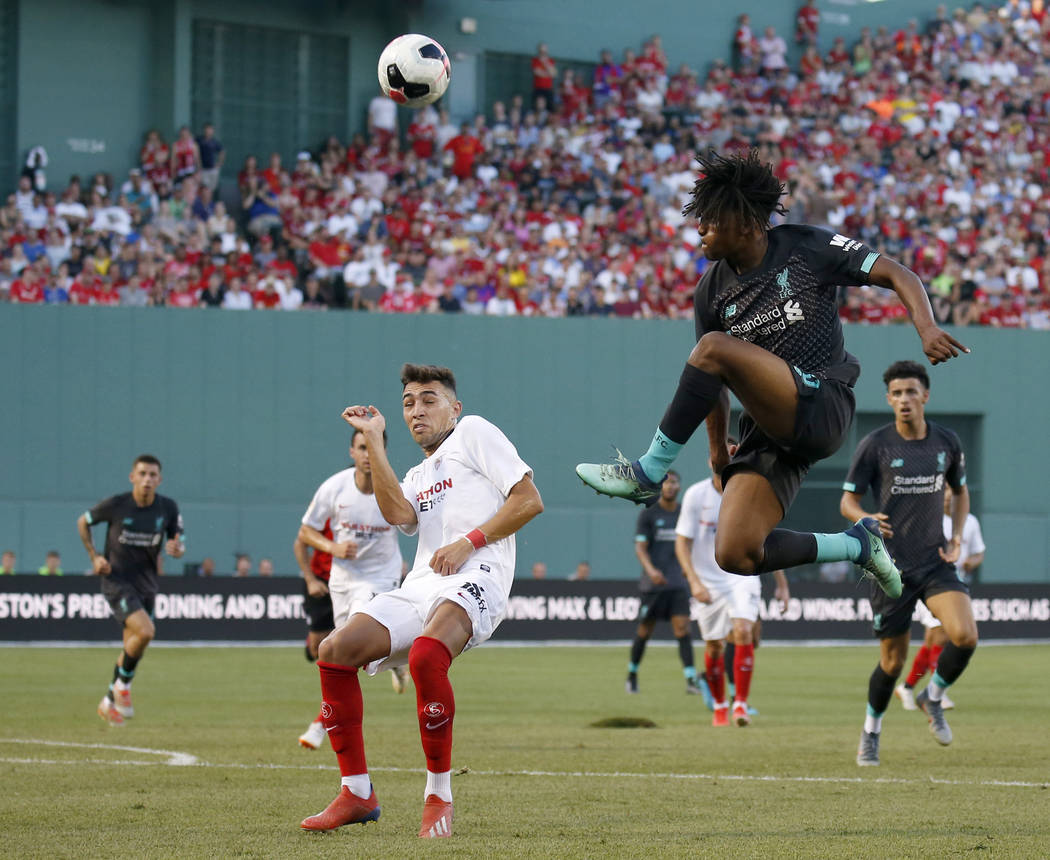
414	70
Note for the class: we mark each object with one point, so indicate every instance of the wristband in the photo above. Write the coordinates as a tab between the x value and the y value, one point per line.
477	538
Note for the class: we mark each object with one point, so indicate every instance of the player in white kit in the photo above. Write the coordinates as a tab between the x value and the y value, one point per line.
971	554
729	603
366	559
465	502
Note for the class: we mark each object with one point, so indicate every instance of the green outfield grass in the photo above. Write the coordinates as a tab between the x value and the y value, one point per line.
533	778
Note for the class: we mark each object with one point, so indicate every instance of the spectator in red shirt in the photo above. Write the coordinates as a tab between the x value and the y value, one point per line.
465	148
272	174
27	290
807	23
544	71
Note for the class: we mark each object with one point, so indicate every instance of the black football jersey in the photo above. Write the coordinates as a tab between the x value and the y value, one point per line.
788	303
907	478
656	528
135	536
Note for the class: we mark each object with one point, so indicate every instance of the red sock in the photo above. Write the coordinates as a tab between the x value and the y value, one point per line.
743	665
715	669
428	661
320	715
341	714
918	667
935	653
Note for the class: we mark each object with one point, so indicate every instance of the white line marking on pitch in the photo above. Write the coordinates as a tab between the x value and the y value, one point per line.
180	759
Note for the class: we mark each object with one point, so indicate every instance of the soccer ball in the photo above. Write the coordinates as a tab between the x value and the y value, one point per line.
414	70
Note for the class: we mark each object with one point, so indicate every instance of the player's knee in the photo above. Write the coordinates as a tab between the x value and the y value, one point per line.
713	648
966	638
737	559
708	352
892	665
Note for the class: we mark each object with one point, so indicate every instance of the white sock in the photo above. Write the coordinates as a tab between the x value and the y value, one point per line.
721	705
934	691
439	784
119	684
359	784
872	725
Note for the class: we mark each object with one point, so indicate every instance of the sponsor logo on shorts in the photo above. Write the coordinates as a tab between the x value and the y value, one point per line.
485	568
475	591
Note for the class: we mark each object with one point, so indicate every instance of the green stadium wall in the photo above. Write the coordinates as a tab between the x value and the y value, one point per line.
243	410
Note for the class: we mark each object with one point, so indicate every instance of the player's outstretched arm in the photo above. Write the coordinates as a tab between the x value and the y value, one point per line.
316	587
523	504
683	550
938	345
396	509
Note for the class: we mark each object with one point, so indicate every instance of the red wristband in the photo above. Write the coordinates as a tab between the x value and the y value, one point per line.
476	537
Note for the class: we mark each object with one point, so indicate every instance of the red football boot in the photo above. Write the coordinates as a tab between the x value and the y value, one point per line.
347	808
437	818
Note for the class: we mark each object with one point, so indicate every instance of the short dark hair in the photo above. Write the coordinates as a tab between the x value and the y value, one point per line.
148	459
906	370
357	432
738	188
428	373
673	472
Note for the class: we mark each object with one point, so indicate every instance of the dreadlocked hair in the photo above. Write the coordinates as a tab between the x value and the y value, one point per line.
735	188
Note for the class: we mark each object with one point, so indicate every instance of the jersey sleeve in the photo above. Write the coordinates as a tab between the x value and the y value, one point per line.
643	529
975	544
175	525
492	454
840	259
102	512
688	519
955	474
321	505
862	469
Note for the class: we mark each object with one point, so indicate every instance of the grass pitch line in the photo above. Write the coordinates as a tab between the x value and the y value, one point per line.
180	759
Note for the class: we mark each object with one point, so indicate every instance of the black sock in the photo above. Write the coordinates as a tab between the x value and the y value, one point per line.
880	689
785	548
685	651
695	397
128	663
729	653
951	663
637	650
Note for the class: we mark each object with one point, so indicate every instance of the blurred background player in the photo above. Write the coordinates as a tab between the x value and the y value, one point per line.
907	465
366	558
465	500
665	593
971	554
136	525
315	567
729	603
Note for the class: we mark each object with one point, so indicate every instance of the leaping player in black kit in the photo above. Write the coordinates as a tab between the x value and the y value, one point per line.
137	524
767	329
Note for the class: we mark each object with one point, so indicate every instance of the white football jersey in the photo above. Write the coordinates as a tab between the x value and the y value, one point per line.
972	542
699	520
459	487
355	516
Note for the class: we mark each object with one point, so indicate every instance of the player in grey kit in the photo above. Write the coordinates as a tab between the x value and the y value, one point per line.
767	329
665	593
906	465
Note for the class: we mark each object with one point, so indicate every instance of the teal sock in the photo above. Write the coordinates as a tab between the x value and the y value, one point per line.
632	668
689	672
658	459
837	547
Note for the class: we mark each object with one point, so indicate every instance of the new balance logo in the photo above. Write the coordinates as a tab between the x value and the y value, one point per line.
897	463
844	242
793	311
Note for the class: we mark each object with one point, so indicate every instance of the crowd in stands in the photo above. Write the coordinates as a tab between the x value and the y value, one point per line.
930	143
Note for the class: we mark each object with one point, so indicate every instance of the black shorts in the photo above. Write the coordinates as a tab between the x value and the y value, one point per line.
893	617
124	599
664	604
318	612
825	412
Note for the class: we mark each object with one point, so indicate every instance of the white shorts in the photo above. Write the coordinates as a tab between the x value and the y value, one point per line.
924	616
740	600
405	610
348	598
